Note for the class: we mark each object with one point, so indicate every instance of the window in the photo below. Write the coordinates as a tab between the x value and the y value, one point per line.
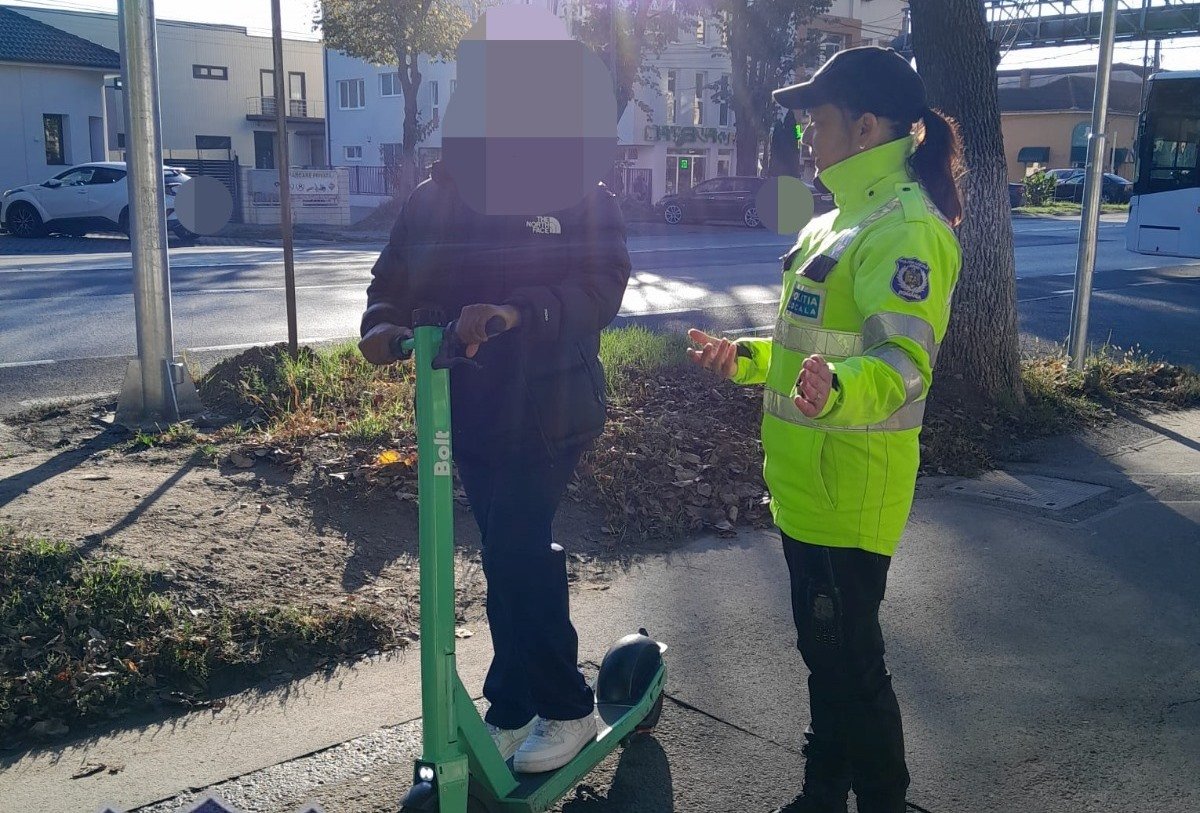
76	177
701	31
297	95
672	106
353	153
389	84
352	94
120	141
453	86
56	147
105	175
391	154
1079	143
698	106
210	72
435	101
210	142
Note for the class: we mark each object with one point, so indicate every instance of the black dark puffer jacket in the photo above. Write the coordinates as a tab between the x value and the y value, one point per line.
541	388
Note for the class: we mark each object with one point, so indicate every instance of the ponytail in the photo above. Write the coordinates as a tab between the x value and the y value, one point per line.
937	162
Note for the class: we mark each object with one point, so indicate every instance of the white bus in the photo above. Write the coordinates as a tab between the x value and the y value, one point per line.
1164	214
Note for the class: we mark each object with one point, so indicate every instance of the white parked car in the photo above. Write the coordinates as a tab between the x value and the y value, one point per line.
84	198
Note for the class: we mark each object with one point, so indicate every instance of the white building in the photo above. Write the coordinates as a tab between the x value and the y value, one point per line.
53	114
685	139
216	89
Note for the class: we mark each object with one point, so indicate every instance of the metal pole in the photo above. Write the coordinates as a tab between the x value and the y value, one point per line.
282	102
149	392
1093	189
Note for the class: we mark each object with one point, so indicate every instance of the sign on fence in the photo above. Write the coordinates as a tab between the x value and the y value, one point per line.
310	188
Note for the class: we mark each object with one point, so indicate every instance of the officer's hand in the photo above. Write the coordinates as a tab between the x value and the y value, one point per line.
716	355
376	346
472	323
814	386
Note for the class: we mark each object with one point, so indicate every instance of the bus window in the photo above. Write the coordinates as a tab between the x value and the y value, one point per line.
1173	137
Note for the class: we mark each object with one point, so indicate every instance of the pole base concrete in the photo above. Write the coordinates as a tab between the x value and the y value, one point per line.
182	400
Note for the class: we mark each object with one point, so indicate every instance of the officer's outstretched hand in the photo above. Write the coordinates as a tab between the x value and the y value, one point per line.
813	387
716	355
376	346
472	323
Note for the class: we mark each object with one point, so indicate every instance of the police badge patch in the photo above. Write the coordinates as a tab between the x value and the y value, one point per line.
911	281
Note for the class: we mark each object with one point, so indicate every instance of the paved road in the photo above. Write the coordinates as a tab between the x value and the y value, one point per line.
69	316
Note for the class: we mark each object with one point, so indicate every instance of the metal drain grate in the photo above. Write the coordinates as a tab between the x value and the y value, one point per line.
1046	493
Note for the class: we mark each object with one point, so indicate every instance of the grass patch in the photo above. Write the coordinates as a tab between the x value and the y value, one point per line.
631	352
87	640
963	438
327	390
1063	207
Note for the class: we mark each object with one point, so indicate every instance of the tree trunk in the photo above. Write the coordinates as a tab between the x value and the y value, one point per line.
410	83
958	63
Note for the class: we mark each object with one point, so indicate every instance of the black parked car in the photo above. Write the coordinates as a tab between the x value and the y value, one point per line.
1069	185
728	198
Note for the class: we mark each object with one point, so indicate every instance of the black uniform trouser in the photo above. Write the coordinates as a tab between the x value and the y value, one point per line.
535	663
855	738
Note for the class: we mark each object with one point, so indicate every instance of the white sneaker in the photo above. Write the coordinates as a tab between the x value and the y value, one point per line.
508	740
554	743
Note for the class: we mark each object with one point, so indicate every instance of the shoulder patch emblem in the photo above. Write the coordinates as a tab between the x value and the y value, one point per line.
911	280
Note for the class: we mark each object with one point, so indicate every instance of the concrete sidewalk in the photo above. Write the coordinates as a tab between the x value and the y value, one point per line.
1045	657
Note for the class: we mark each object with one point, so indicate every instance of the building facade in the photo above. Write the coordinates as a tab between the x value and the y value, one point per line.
1046	116
216	90
54	111
684	139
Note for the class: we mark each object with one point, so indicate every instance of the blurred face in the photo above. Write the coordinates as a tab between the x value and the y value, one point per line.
834	136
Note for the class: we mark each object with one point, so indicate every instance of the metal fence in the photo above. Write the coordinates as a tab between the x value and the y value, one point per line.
379	181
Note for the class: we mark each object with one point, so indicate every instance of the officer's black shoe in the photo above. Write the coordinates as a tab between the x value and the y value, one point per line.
806	803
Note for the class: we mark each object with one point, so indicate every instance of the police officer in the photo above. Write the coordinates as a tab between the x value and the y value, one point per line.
866	301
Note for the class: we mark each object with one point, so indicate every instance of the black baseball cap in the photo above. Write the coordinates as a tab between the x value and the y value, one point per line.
870	79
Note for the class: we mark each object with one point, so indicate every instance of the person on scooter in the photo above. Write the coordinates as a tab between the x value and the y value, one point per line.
520	422
866	303
513	225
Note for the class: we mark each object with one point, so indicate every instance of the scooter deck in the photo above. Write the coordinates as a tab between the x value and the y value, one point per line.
610	714
537	792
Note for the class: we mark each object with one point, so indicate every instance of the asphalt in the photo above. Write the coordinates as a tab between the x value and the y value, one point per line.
69	330
1045	660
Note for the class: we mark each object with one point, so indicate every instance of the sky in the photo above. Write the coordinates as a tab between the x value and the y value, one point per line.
1182	54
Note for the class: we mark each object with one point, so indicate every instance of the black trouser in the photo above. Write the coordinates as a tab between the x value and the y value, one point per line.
534	669
855	738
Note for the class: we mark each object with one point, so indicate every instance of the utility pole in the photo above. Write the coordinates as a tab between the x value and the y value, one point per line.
282	103
1090	220
157	390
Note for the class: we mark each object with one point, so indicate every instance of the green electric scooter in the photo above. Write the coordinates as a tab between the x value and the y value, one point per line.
461	770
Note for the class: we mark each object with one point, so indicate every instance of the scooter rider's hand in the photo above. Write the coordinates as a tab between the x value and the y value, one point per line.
814	386
472	324
376	346
716	355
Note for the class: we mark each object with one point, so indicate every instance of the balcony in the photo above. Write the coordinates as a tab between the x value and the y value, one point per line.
299	111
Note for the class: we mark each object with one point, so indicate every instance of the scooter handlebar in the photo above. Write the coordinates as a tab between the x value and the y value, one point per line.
453	349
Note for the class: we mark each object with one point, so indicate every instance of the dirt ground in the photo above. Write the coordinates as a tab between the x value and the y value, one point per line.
262	532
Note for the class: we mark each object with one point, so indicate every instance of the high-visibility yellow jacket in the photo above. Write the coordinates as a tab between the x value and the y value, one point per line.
868	287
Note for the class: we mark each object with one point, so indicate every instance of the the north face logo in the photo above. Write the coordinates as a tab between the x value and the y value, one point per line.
545	225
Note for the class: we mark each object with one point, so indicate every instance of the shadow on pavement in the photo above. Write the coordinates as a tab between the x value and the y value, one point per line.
642	784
